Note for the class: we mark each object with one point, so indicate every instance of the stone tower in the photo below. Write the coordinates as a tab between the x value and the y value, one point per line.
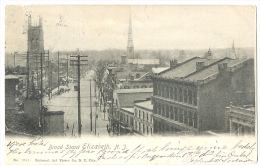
130	44
35	43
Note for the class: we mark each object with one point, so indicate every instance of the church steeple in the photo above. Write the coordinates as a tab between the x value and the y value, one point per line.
130	44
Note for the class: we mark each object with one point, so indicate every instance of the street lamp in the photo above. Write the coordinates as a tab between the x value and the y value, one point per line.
14	57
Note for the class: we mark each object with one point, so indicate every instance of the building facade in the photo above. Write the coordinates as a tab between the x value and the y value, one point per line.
11	92
191	97
143	118
242	120
121	109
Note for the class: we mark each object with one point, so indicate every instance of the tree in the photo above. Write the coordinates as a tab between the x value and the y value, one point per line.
100	78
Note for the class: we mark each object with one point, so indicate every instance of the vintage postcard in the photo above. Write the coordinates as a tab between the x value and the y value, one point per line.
130	84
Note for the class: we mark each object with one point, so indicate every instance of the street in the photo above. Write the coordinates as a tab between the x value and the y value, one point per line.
68	102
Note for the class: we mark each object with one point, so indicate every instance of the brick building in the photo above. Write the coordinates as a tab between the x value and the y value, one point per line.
143	120
242	120
11	92
191	97
121	112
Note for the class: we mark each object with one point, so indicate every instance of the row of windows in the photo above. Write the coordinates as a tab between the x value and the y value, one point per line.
164	128
143	115
188	117
177	94
142	128
124	118
136	87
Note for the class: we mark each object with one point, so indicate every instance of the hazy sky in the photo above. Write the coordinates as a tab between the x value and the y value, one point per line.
154	27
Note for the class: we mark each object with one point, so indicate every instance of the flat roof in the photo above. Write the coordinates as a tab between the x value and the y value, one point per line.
7	77
145	104
139	90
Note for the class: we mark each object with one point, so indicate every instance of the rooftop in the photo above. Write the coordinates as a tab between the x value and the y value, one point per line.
159	69
139	90
186	67
188	70
145	104
126	97
130	110
212	70
7	77
144	61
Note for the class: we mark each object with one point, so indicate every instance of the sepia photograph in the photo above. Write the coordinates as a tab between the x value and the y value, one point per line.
130	84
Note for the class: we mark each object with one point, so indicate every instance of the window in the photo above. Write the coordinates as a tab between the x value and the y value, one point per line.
127	119
147	130
185	96
136	87
171	92
137	75
147	117
195	97
176	113
135	112
143	86
163	91
180	95
167	112
139	114
126	87
143	128
171	112
143	115
139	126
175	94
190	96
167	91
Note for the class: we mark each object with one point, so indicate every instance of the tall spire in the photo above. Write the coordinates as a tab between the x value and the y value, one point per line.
130	44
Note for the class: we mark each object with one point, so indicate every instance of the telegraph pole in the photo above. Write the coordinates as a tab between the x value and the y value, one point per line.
28	75
41	115
67	70
90	108
79	113
78	65
58	70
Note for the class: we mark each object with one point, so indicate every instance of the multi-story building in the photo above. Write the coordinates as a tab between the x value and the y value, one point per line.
191	97
143	120
121	110
242	120
142	82
11	91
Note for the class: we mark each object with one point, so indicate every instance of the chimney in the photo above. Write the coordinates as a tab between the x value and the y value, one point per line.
222	67
199	65
173	63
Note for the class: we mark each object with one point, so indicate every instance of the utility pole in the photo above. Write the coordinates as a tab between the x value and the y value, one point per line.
78	65
49	74
58	70
96	119
67	70
41	115
90	107
28	75
79	113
